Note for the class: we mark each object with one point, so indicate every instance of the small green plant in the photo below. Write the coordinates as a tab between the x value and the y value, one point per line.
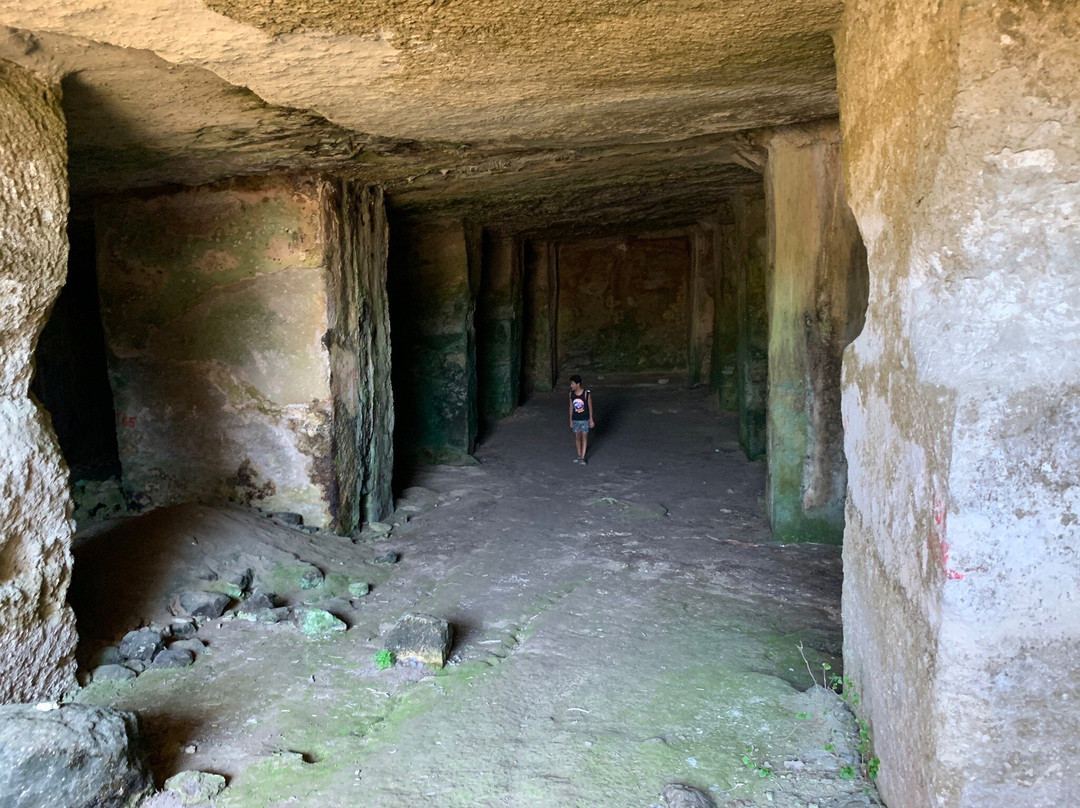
869	765
384	659
749	760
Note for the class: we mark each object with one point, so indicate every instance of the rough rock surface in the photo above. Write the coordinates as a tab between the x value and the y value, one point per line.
315	622
817	296
432	118
421	637
207	605
75	756
172	658
112	672
962	398
497	69
680	796
37	629
142	644
195	788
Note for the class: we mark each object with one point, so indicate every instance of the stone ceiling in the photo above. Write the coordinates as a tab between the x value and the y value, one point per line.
544	108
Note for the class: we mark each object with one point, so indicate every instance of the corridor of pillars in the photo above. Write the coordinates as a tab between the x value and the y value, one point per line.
868	271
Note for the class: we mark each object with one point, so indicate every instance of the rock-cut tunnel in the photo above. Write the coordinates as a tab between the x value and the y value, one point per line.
285	258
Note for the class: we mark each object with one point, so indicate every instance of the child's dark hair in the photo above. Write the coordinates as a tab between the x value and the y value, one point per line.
575	379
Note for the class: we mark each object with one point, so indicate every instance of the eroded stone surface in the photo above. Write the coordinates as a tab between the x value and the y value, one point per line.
817	299
195	788
622	304
249	352
641	131
499	69
420	637
960	400
37	631
74	756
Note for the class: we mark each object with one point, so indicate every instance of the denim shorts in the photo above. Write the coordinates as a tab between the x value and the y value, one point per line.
581	426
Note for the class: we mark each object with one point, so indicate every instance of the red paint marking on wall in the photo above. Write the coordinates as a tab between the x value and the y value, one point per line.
127	421
950	574
940	519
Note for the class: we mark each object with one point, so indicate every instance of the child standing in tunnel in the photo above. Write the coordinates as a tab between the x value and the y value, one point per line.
582	413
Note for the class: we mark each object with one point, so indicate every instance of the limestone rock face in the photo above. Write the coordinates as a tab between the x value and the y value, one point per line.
584	114
817	296
962	399
488	70
75	756
258	370
37	629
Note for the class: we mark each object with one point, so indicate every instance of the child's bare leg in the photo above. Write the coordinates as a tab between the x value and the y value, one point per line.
579	440
584	445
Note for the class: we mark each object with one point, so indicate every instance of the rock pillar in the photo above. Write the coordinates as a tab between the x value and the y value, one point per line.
541	313
723	374
355	233
817	296
498	326
702	313
432	301
37	629
962	398
752	360
238	357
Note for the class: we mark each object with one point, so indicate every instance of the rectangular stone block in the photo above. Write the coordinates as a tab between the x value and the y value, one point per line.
238	360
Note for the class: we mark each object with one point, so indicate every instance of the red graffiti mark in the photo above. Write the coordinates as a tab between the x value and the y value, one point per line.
940	515
127	421
950	574
940	519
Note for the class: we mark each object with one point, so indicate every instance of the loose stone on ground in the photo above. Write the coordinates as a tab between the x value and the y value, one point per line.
195	788
314	622
141	644
679	796
420	637
172	658
112	673
208	605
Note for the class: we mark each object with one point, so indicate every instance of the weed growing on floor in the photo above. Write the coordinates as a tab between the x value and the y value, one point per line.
384	659
844	687
749	760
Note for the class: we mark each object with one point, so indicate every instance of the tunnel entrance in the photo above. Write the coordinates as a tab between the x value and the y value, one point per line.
71	381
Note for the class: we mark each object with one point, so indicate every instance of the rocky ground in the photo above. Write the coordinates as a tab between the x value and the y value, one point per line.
617	627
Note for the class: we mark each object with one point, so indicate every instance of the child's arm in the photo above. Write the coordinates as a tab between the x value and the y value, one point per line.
571	412
592	410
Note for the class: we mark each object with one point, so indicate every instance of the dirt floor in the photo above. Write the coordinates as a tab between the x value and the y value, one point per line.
618	627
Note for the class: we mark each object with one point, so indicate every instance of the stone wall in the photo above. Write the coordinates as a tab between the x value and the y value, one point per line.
817	298
961	128
624	304
432	302
499	327
233	321
37	629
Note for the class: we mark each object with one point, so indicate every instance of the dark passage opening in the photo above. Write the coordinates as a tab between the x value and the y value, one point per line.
71	377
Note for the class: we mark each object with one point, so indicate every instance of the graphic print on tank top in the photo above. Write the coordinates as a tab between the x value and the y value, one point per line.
581	405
